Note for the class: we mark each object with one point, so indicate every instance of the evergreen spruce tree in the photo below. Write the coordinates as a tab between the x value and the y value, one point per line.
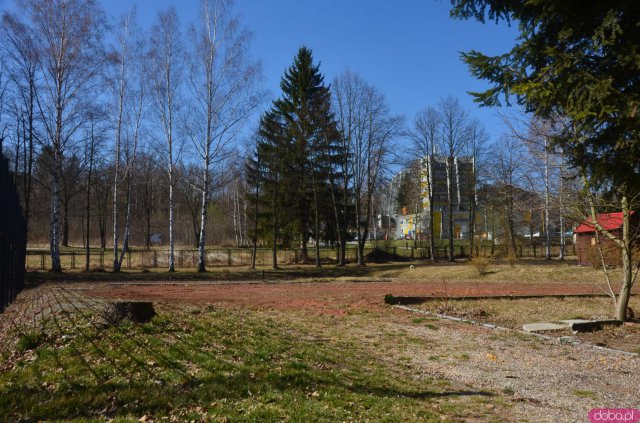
300	147
266	173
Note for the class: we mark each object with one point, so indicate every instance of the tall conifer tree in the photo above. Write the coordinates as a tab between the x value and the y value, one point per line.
299	147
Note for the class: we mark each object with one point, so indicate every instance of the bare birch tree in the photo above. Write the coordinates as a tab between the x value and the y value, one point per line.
95	137
622	240
368	128
222	80
546	170
128	85
454	135
69	35
507	171
21	52
347	91
425	136
166	79
476	149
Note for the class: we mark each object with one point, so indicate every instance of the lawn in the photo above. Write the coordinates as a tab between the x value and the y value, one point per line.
209	364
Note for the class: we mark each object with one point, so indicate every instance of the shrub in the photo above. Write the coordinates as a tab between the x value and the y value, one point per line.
480	264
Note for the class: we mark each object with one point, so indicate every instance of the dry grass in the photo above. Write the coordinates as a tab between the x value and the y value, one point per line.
516	312
523	270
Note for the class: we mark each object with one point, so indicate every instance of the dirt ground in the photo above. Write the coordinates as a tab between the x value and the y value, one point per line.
333	298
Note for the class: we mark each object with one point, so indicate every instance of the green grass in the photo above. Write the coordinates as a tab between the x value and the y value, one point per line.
212	364
30	340
585	394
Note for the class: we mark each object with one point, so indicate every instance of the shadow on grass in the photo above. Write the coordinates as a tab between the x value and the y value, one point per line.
90	371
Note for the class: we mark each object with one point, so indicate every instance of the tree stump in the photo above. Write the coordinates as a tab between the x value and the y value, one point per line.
135	311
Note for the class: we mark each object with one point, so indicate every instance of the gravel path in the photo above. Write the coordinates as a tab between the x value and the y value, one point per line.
542	380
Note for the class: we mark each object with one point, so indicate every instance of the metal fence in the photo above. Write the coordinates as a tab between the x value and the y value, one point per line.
230	257
13	238
185	258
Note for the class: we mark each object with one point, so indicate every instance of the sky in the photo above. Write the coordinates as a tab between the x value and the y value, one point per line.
409	49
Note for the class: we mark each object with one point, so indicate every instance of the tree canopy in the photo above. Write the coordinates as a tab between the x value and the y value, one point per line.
576	60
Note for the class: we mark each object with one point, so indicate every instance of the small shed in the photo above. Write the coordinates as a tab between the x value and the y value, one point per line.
586	243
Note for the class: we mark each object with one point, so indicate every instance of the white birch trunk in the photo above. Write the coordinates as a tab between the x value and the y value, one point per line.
627	265
55	223
172	267
202	255
235	217
546	202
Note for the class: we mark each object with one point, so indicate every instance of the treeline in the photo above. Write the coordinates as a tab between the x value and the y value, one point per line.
116	132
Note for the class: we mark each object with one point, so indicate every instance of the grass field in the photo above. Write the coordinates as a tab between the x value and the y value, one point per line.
524	270
209	364
521	271
306	344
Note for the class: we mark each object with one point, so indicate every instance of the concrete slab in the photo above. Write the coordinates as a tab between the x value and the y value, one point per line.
541	327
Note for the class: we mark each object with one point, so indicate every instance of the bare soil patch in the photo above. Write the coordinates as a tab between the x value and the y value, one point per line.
329	297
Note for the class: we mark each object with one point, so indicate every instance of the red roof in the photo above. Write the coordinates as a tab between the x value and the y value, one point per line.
608	221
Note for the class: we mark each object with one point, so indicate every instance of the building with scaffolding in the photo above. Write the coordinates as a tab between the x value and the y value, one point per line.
457	190
434	191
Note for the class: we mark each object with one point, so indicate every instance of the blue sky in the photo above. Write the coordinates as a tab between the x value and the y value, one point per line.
409	49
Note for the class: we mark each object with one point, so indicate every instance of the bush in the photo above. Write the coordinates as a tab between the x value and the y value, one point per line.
480	264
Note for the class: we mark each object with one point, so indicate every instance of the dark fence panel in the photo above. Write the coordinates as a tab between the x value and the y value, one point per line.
13	238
